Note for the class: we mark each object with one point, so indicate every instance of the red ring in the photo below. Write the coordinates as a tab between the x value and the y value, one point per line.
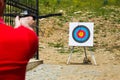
81	34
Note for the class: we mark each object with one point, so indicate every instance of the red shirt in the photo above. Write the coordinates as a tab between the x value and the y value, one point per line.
17	46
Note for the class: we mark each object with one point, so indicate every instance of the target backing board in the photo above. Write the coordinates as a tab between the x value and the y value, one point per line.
81	34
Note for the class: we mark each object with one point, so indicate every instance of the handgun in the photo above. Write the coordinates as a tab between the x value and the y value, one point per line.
26	14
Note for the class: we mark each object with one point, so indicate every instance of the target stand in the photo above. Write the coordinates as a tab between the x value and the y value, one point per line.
81	34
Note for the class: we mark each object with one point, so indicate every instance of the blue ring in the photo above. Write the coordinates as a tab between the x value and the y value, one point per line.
85	38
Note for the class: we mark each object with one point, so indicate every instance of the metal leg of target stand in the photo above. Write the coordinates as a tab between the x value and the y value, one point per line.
85	52
86	60
71	51
93	58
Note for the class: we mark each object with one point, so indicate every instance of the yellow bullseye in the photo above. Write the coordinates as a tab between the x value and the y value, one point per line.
81	34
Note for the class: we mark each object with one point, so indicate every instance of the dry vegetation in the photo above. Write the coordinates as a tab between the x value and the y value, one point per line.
54	33
53	40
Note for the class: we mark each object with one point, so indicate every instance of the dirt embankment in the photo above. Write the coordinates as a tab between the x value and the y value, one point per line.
54	47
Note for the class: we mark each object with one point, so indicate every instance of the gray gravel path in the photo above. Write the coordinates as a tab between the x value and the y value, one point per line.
63	72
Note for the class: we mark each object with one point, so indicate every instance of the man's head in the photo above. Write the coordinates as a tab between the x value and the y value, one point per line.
2	6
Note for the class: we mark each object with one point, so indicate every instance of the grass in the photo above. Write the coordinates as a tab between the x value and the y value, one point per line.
62	49
70	6
80	8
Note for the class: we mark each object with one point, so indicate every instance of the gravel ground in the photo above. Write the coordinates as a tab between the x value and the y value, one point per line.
62	72
108	68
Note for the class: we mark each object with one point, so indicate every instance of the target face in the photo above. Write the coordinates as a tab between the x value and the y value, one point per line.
81	34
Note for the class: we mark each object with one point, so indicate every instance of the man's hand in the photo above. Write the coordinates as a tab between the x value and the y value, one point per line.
27	22
17	22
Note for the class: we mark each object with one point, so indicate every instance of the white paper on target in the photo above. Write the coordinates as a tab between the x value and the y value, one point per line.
73	25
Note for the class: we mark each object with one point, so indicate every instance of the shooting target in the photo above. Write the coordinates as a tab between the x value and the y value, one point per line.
81	34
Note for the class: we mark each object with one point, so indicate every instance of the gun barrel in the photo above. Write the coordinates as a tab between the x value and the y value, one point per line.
50	15
34	17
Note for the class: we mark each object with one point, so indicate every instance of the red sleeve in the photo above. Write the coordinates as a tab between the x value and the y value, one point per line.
17	46
31	39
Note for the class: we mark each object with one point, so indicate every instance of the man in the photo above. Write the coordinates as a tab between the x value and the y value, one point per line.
17	46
